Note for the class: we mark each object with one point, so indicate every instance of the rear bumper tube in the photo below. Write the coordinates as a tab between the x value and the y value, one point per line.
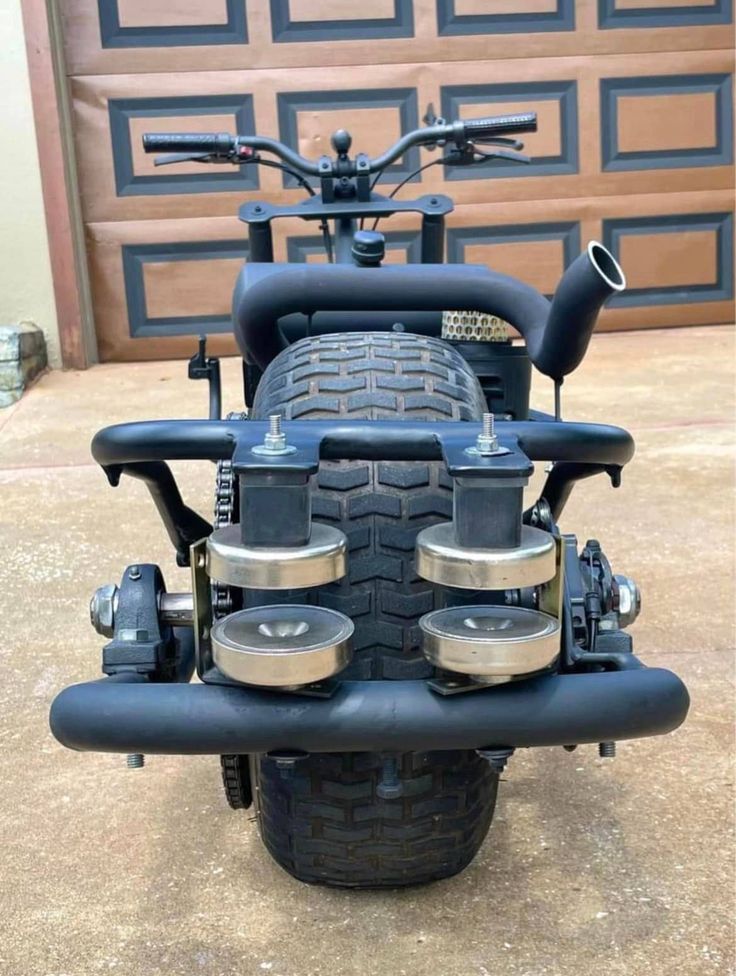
133	715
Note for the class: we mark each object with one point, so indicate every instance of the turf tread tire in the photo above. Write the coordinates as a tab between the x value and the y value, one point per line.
323	819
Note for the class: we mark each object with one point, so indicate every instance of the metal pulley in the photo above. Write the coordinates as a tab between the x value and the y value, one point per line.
441	559
491	644
282	646
321	560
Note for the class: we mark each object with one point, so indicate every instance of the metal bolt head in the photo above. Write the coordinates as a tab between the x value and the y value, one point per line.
626	600
102	609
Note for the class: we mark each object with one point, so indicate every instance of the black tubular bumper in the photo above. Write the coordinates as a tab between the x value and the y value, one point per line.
128	714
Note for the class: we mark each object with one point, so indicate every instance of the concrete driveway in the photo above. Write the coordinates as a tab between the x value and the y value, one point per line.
592	866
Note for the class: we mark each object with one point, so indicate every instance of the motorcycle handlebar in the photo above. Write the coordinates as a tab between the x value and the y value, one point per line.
224	145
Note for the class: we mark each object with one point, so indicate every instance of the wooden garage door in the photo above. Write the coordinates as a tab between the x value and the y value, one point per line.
635	142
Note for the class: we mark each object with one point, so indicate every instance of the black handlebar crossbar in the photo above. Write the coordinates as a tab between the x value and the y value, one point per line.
225	146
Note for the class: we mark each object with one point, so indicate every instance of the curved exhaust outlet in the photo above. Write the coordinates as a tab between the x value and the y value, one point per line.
583	290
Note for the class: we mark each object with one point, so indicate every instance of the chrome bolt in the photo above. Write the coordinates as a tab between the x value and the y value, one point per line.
275	438
135	760
274	441
102	609
487	442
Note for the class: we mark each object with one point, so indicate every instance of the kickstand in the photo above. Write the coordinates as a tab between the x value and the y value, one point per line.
202	368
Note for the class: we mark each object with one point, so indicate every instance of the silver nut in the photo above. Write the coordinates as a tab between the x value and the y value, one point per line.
275	442
486	444
102	608
626	600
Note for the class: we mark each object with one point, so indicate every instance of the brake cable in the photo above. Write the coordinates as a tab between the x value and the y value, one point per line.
255	159
392	194
463	157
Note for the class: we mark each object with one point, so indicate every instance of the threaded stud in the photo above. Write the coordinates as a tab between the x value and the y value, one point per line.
135	760
607	750
487	443
274	441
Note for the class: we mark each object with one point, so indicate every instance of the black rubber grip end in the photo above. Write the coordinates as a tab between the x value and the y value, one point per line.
500	125
220	143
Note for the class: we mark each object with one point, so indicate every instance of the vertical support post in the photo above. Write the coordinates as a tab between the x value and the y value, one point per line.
344	231
260	239
433	239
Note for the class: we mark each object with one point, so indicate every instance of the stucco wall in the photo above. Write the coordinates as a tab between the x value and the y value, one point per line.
26	286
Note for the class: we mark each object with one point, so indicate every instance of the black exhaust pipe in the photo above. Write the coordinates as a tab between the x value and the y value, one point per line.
131	715
556	335
582	292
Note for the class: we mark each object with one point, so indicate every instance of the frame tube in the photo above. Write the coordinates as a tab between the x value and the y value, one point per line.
134	715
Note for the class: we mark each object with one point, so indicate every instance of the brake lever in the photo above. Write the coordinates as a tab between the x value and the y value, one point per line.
241	155
469	156
184	158
511	157
504	141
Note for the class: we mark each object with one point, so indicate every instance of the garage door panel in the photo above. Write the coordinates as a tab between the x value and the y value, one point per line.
163	282
667	121
658	14
545	249
678	258
131	36
310	21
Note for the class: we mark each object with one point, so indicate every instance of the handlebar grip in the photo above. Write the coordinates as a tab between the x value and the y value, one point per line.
499	125
217	143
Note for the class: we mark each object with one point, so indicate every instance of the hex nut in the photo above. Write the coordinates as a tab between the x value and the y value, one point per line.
102	609
627	600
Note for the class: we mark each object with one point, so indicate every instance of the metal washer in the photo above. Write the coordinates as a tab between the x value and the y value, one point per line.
440	559
322	560
282	646
490	642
